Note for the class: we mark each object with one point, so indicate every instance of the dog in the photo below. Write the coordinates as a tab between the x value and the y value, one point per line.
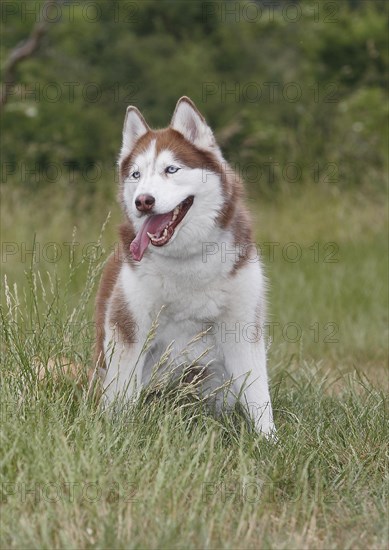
183	258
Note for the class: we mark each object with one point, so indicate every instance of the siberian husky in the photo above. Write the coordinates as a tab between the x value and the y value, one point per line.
183	256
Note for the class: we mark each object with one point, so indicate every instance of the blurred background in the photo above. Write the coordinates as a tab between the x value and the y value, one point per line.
301	82
297	95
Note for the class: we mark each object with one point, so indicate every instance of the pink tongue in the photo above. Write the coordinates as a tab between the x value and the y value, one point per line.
153	224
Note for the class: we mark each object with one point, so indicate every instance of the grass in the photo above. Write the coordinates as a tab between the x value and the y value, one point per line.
163	473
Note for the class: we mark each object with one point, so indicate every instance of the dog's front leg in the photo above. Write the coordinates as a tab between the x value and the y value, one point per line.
245	363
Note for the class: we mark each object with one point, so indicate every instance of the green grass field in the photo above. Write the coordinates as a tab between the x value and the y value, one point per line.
163	473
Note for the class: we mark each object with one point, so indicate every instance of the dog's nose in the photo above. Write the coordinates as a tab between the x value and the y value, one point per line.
144	203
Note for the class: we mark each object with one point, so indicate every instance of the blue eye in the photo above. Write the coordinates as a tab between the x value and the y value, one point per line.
135	175
171	170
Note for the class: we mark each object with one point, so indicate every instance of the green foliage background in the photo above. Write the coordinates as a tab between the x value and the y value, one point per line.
325	62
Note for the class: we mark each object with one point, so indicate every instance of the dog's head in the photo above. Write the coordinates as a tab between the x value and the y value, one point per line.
173	184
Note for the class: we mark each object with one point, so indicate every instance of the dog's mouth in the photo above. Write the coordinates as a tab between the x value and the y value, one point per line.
158	229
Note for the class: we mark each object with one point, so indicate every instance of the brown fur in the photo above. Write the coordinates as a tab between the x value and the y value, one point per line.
107	284
127	235
120	317
175	142
122	320
241	227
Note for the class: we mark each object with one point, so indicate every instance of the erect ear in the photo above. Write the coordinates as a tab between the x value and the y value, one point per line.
191	124
134	128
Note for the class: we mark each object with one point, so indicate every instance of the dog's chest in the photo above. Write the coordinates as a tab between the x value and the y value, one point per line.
189	291
185	300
